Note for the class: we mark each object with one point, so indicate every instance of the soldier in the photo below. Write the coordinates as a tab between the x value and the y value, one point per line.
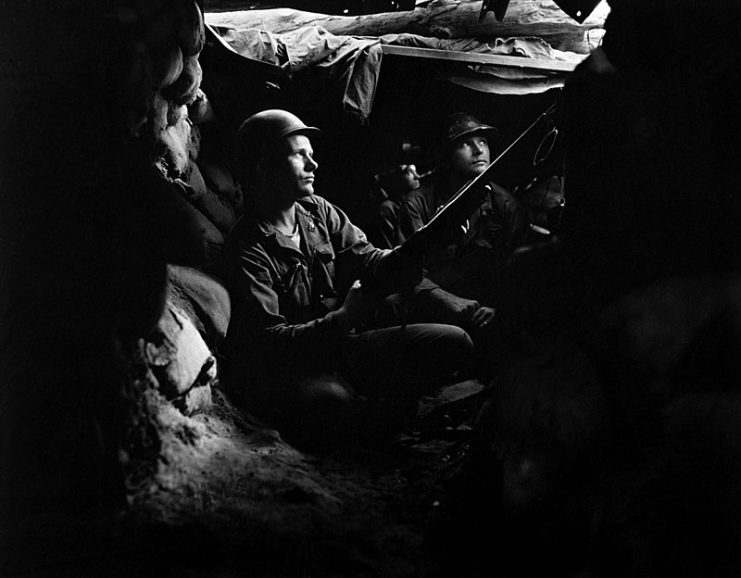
460	274
391	188
299	345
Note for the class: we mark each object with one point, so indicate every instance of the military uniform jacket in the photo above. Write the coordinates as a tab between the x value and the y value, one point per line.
469	255
282	294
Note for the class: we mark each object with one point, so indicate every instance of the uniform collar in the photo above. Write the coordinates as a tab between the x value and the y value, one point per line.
307	216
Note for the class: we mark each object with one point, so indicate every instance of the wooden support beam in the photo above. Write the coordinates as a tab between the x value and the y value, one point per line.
479	58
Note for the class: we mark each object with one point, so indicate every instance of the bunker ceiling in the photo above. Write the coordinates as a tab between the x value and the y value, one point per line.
378	83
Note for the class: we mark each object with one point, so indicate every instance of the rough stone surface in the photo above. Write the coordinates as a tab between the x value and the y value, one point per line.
171	149
178	355
249	504
196	400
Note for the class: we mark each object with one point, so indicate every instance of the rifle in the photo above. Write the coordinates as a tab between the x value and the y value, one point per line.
462	204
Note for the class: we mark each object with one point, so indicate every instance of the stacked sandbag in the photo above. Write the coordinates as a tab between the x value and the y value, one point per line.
161	103
162	99
215	191
214	198
203	298
221	182
163	41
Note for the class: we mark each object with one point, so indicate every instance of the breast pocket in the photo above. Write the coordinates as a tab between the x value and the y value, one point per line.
325	255
324	271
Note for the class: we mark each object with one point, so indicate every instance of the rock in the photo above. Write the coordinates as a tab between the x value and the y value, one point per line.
194	144
175	113
197	400
171	149
178	355
450	412
200	110
450	394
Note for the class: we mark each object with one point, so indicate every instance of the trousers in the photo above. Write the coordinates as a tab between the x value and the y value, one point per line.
381	368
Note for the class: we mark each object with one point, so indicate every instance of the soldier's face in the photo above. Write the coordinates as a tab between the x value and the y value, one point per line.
409	177
469	156
292	174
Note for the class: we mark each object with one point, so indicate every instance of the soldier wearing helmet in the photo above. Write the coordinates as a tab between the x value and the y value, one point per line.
300	349
460	275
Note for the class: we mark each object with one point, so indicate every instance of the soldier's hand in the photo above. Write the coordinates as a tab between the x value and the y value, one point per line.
359	304
462	310
483	317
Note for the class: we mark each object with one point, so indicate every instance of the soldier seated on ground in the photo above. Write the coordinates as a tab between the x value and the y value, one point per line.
460	274
391	188
301	353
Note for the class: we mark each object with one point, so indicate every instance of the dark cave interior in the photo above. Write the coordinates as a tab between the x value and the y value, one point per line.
609	444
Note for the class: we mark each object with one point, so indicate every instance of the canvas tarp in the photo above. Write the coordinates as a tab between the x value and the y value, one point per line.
354	62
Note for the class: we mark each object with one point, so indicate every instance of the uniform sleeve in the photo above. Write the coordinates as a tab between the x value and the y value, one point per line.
412	216
387	223
355	257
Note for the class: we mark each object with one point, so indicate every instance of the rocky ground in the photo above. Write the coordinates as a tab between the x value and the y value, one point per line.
231	498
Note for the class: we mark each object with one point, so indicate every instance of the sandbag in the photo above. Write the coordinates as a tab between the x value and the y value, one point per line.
220	179
203	298
167	66
191	34
194	178
185	88
214	242
210	236
137	91
158	25
217	209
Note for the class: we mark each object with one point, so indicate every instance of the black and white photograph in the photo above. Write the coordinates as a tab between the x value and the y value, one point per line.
370	289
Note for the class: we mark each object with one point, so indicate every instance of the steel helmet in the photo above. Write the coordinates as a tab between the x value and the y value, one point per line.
268	127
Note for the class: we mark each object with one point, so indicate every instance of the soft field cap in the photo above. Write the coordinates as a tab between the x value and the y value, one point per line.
462	124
